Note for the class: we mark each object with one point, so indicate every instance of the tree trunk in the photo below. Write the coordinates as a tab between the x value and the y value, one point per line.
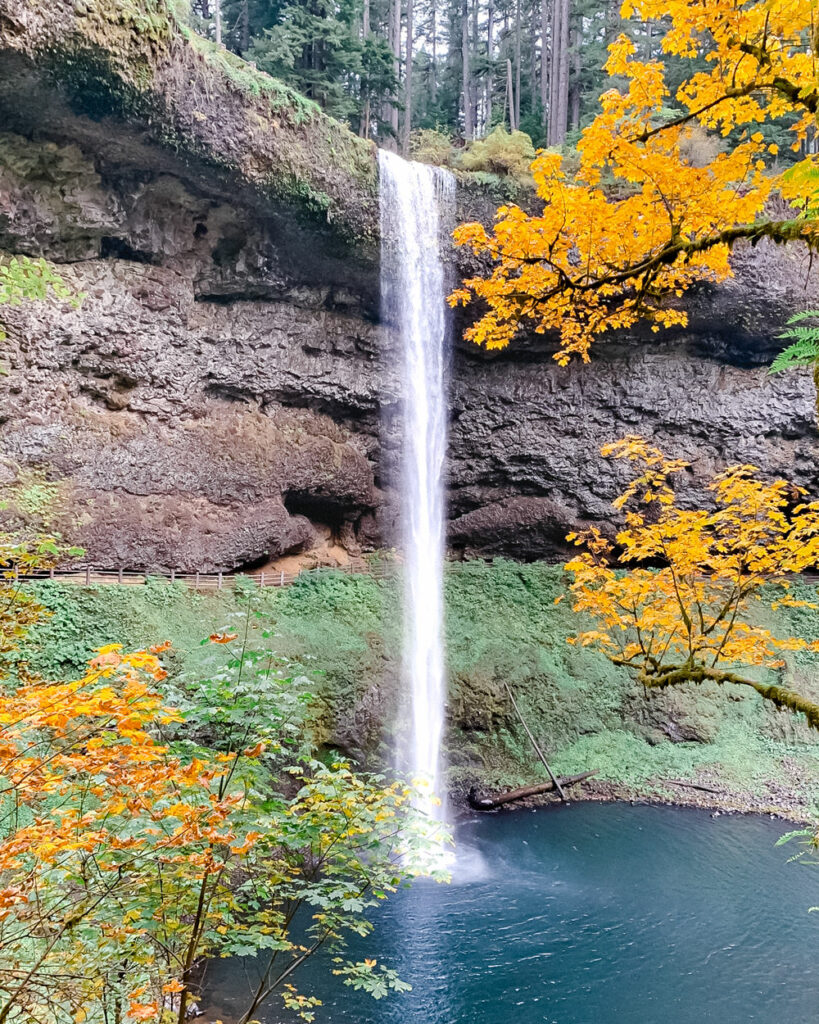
476	124
575	85
532	36
554	65
244	28
544	62
612	20
505	94
563	77
489	803
364	125
466	87
559	73
395	44
510	96
490	64
434	67
405	144
217	21
517	65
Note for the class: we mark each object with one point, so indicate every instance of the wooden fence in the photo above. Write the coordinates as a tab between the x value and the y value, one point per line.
91	577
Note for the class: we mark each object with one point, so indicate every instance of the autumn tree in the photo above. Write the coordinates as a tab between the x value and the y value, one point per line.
136	840
641	221
686	609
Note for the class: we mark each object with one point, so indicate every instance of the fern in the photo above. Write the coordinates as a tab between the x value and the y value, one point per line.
805	337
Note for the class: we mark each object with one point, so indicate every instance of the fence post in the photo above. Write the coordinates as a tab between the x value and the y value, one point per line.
196	584
87	575
261	578
173	575
51	573
219	583
119	575
281	584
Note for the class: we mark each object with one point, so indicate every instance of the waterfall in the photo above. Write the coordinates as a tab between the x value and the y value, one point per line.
413	198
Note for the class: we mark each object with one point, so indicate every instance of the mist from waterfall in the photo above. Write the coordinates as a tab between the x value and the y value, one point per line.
414	200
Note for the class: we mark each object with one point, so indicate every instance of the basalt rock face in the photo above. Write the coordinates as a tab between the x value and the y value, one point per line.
202	407
225	383
526	434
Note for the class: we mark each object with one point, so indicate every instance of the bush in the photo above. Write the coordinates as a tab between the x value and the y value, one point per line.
429	146
502	154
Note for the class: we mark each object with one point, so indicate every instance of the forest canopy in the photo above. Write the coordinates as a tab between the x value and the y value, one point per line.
392	68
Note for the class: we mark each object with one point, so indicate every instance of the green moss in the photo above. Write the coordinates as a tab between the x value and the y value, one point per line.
281	98
503	626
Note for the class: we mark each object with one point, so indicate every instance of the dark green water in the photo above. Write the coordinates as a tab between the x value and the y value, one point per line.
592	914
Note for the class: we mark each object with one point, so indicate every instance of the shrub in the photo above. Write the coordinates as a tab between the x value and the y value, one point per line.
502	154
429	146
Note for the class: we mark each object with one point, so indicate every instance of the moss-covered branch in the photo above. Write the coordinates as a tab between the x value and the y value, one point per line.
674	675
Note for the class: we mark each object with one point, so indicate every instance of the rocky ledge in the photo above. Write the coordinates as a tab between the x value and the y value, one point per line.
225	384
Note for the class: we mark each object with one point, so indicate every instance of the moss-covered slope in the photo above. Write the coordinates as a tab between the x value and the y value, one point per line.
502	626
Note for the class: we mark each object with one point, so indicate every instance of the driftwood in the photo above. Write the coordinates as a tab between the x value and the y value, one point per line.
555	780
489	803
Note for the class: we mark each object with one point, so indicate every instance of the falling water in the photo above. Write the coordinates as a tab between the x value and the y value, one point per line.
414	202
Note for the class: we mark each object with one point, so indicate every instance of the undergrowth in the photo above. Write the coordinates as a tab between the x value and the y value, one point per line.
503	627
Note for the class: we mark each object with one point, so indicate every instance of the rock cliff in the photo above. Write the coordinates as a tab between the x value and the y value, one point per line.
225	383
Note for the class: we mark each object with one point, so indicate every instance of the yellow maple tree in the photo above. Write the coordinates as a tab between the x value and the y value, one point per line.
691	619
641	220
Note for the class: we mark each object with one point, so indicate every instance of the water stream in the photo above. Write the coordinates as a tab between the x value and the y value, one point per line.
591	914
414	201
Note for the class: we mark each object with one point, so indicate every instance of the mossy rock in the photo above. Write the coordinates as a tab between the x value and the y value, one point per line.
133	62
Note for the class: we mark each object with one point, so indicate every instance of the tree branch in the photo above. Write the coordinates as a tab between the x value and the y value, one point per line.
693	673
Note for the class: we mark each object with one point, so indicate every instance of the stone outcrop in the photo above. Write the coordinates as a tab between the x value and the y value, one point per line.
526	434
225	383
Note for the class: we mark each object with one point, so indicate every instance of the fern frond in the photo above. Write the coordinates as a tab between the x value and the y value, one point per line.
802	353
805	348
801	332
806	314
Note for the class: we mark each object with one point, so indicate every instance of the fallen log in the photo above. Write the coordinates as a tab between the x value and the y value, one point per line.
489	803
538	751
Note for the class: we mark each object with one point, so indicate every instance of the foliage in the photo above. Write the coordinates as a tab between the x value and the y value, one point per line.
19	609
351	58
501	624
430	146
502	153
688	621
23	279
136	840
589	264
804	347
315	48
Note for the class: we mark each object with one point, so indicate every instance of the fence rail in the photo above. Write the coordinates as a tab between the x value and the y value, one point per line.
89	576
